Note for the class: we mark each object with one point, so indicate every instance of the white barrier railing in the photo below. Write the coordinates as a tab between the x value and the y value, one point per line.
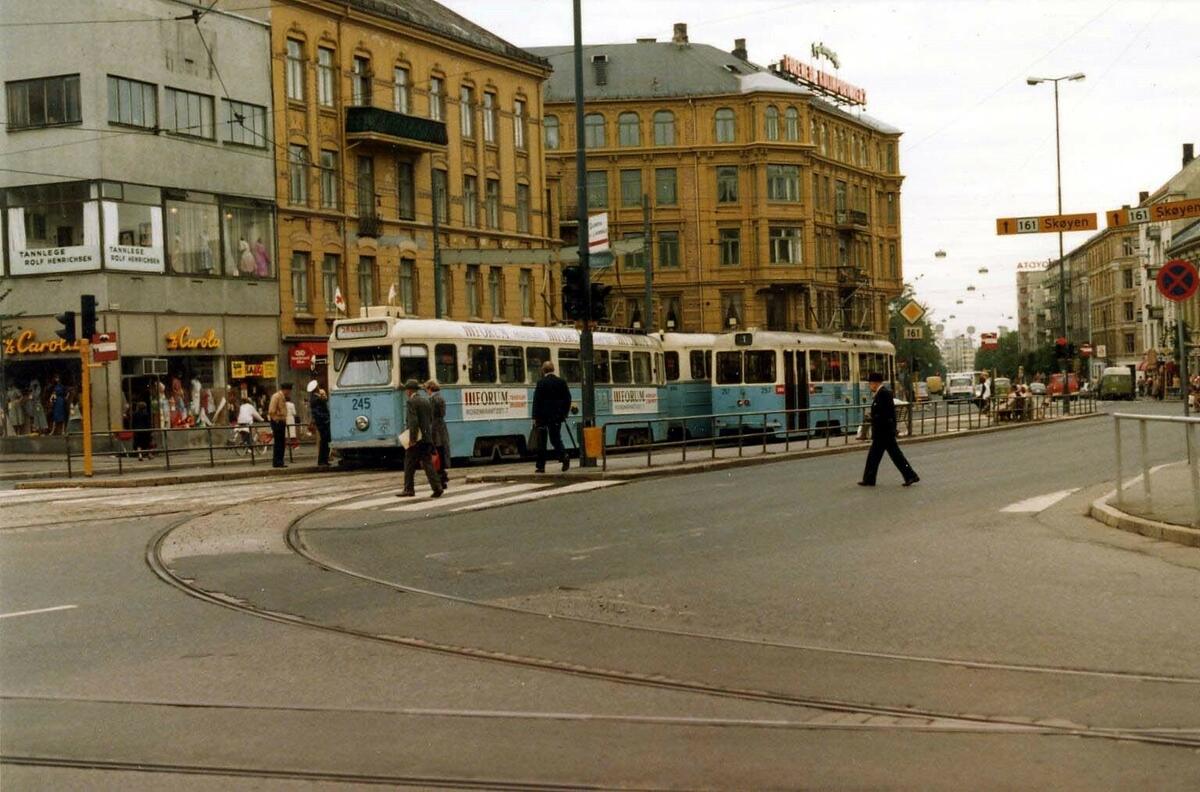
1193	455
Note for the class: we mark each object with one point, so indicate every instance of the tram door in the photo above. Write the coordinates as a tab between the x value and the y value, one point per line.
795	388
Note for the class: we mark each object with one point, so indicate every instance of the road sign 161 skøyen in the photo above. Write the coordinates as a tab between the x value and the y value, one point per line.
1046	224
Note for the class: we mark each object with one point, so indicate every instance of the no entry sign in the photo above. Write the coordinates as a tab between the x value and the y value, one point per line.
1177	280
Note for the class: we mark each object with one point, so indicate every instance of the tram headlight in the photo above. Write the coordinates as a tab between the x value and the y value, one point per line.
361	423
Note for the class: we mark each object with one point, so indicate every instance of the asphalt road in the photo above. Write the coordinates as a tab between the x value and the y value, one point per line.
774	626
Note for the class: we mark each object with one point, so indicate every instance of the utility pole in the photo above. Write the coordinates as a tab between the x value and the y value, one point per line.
647	253
585	334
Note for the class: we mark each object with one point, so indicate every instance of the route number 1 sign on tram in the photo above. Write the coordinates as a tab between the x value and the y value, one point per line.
1178	280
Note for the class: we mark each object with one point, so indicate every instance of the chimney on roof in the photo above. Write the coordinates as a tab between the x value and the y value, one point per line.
1143	195
739	49
1189	150
680	35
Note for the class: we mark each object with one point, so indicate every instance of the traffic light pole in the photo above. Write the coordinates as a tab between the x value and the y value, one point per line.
585	335
85	402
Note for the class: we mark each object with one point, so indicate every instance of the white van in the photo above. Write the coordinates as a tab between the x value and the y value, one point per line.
961	385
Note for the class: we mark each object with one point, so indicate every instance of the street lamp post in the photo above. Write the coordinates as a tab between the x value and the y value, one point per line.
1062	278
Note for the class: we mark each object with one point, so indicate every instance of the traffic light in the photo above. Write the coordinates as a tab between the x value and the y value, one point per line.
574	298
67	331
1061	348
599	296
87	316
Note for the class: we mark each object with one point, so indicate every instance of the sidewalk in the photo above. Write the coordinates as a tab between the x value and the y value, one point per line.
1169	513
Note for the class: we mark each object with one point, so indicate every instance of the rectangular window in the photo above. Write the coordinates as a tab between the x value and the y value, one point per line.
1128	312
1129	348
600	367
466	111
729	368
482	367
491	202
132	103
414	362
631	188
44	102
731	246
329	180
474	296
668	250
637	259
519	124
365	366
534	358
441	196
783	183
641	368
326	78
732	308
300	294
294	74
360	82
569	367
671	366
249	231
727	184
244	123
400	90
512	365
471	201
1127	278
329	281
366	280
446	363
489	118
597	189
496	292
785	245
701	364
760	366
622	368
406	190
893	268
447	299
408	286
437	98
816	193
525	285
187	113
193	235
891	208
664	187
297	175
523	208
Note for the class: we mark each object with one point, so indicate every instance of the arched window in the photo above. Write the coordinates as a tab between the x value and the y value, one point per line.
726	127
664	128
593	131
550	129
791	124
771	116
629	129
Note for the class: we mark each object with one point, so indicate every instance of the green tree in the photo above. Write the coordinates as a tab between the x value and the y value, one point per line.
1002	361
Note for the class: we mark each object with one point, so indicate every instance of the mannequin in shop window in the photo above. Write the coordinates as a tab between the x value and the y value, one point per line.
262	261
35	411
206	257
164	406
245	258
194	406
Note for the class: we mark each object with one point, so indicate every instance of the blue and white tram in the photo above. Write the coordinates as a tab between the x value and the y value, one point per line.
487	374
687	370
825	376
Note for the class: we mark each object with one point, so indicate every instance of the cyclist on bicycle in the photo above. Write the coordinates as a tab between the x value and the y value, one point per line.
247	416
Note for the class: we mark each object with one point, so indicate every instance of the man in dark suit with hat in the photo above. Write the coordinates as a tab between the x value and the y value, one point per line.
883	435
419	422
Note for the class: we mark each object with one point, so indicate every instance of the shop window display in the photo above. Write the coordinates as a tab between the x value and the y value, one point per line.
52	228
133	237
249	241
194	236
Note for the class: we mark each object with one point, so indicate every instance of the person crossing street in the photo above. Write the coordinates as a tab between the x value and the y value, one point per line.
419	453
551	406
883	435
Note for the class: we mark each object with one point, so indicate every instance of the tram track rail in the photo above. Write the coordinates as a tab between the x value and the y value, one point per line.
978	723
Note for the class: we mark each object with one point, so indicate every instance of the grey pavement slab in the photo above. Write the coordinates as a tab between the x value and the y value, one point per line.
1172	497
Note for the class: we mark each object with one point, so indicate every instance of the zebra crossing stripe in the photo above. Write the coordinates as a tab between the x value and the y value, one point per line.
427	504
390	498
583	486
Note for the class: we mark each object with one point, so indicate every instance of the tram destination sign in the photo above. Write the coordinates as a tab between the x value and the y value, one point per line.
1156	213
1046	224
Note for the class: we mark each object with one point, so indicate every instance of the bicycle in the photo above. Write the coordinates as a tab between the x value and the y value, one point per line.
243	437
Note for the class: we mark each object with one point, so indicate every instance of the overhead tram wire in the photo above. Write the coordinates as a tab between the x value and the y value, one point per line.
60	22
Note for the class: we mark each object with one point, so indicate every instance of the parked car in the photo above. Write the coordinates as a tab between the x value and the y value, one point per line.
1116	382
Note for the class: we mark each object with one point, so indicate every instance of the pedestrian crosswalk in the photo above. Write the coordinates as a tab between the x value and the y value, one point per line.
469	497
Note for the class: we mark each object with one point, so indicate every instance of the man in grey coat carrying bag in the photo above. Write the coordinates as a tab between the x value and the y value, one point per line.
419	423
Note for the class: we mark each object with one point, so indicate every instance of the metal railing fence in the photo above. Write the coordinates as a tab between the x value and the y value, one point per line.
1193	455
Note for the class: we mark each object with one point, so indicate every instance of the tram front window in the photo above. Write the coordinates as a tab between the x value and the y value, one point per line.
760	366
729	368
366	366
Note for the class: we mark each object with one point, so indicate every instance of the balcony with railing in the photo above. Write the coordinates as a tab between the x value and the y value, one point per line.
396	129
370	225
851	220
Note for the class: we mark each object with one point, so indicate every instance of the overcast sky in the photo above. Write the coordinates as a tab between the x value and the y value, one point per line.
978	142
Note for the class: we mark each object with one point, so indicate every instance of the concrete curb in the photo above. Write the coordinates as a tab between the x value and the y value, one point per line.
1167	532
172	479
680	469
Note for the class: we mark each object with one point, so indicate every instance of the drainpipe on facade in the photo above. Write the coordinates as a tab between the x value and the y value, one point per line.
696	193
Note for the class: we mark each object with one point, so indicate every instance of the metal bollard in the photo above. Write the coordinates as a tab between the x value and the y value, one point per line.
1145	456
1194	465
1120	474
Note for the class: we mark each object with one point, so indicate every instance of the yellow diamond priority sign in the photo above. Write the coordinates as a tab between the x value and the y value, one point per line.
912	312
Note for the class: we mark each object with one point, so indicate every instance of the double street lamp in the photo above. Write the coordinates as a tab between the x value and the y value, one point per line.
1062	278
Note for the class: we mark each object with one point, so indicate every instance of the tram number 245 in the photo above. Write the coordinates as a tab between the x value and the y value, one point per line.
361	403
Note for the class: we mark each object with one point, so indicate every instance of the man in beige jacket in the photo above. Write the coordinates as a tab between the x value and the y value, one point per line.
277	414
